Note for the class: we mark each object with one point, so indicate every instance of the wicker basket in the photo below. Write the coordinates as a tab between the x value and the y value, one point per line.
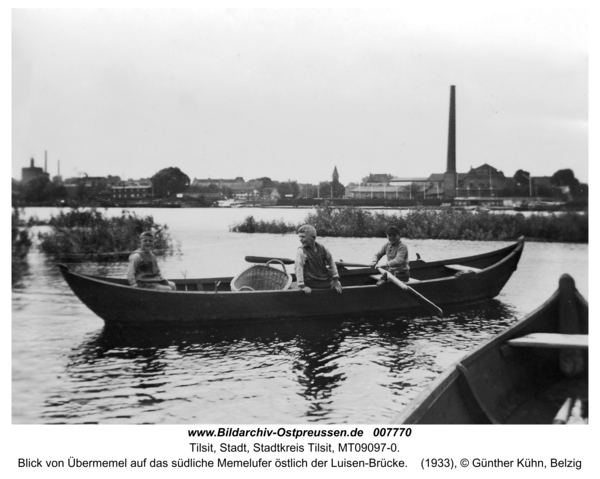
260	277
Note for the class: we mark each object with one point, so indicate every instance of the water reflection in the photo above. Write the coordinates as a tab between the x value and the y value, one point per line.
20	269
124	374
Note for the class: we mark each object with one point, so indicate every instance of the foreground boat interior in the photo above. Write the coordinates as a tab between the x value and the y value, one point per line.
536	372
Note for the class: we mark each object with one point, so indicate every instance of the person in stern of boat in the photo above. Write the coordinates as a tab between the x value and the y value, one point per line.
396	253
314	264
143	271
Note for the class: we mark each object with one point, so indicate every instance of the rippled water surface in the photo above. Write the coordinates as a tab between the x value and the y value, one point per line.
67	368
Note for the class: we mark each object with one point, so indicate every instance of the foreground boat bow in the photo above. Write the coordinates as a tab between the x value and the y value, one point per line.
522	376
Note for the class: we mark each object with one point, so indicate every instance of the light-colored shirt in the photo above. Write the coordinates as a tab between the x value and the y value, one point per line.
314	264
397	256
143	268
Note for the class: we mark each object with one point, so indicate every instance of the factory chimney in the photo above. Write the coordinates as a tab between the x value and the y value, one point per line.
450	175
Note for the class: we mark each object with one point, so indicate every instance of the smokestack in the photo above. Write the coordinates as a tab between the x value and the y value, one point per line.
45	162
451	163
32	162
450	177
58	167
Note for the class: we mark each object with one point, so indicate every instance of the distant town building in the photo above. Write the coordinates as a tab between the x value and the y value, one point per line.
218	182
239	190
436	186
210	197
243	191
130	192
377	179
379	191
485	180
256	184
94	181
132	182
381	186
271	193
28	174
398	181
89	182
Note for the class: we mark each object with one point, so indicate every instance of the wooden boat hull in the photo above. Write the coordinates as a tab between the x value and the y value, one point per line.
211	300
500	383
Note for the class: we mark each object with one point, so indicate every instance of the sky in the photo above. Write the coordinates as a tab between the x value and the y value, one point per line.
294	93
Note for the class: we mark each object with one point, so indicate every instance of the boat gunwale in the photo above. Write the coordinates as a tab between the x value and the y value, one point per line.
502	251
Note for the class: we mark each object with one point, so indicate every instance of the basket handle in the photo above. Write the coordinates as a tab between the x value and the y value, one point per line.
277	261
246	288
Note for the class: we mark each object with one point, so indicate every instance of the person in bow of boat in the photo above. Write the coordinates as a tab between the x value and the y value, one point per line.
143	271
314	266
396	253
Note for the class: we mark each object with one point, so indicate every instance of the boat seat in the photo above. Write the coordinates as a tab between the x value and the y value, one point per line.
460	267
189	287
551	340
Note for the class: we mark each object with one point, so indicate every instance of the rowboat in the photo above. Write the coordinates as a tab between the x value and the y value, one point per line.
536	372
211	300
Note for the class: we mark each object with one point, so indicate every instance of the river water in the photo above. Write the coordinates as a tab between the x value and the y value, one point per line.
66	368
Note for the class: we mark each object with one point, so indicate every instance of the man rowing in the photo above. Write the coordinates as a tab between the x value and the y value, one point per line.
396	253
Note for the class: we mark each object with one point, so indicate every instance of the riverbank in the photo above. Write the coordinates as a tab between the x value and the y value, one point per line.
189	201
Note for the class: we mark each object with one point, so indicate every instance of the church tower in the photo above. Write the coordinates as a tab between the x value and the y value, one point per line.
335	176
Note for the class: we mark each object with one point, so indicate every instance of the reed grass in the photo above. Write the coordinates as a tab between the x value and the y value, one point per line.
422	223
87	235
250	225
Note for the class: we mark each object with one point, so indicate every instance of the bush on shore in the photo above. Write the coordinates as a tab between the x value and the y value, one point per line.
422	223
250	225
86	235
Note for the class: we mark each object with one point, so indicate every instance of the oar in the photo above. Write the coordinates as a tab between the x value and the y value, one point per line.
264	259
432	308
